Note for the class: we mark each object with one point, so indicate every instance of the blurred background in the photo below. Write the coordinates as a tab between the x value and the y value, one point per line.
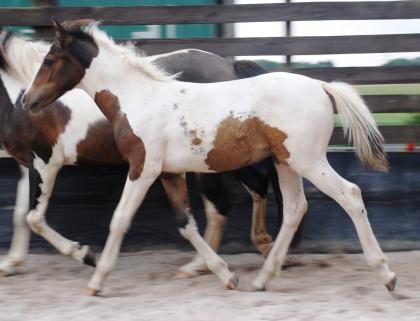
374	45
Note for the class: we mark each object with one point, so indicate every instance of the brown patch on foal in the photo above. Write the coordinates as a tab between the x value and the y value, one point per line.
239	143
130	146
99	146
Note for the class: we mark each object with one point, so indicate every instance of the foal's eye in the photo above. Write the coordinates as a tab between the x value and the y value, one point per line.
48	62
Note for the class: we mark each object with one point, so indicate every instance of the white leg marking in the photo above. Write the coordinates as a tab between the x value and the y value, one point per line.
133	195
348	195
212	235
21	231
294	207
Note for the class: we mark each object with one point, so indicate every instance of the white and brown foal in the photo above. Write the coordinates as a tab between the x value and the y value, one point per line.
161	124
72	131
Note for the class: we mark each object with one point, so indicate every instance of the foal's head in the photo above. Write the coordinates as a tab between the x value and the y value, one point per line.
65	64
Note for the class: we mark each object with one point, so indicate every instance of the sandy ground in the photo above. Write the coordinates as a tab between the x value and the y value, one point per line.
327	287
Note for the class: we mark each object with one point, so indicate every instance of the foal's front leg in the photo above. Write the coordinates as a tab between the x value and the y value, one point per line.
21	231
176	189
131	198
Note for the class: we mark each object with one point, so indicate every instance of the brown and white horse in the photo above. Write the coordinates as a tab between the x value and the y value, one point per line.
161	124
73	132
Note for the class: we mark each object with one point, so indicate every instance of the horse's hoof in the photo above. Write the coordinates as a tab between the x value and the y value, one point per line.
233	283
90	258
182	275
92	292
259	288
391	284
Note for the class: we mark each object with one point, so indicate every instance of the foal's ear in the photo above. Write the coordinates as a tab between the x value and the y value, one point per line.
60	32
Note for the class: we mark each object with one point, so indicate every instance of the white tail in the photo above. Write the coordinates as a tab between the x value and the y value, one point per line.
358	125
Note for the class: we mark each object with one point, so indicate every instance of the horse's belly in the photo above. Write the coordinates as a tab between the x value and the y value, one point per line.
178	163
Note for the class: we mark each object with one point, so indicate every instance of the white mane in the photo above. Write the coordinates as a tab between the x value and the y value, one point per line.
23	57
128	53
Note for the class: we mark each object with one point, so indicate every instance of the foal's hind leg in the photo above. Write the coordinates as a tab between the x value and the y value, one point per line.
40	195
176	189
294	208
348	195
21	231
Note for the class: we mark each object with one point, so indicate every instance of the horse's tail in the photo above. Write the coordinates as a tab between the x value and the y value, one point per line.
247	68
358	125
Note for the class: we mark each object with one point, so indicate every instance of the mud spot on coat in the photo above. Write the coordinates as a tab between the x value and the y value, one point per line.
240	143
130	146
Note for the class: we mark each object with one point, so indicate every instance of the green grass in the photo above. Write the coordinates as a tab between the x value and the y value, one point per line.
389	89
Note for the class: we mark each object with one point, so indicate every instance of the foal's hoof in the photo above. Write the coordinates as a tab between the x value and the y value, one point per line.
259	288
92	292
90	258
391	284
182	275
233	283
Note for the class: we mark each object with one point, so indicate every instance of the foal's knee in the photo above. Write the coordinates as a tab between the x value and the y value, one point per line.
35	221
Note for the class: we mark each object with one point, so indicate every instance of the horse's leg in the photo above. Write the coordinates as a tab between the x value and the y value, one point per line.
348	195
272	175
294	208
43	179
176	189
216	206
21	232
131	198
257	186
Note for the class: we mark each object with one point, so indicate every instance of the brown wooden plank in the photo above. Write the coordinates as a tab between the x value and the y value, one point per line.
216	13
288	46
393	135
393	103
363	75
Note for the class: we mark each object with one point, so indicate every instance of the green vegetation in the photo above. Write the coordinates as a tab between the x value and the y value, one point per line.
399	62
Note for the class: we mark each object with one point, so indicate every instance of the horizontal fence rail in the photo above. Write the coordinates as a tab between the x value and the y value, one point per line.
41	16
363	75
288	45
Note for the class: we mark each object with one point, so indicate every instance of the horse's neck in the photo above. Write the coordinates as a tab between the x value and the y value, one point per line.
9	93
112	75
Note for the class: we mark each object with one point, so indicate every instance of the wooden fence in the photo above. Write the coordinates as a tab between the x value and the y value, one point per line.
40	17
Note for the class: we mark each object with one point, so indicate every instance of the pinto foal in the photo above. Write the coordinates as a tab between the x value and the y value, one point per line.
176	127
72	131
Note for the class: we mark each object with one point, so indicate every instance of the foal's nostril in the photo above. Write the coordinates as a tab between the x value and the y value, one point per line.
23	99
